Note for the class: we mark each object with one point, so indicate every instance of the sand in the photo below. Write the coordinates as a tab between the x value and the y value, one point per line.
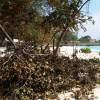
68	51
70	96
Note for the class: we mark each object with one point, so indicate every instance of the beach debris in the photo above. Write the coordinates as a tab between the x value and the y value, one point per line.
27	75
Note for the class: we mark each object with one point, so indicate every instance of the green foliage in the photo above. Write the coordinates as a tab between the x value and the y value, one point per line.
65	12
69	37
95	60
45	15
98	81
86	50
85	39
14	15
98	41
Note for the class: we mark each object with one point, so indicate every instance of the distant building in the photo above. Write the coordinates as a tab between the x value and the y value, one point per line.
93	40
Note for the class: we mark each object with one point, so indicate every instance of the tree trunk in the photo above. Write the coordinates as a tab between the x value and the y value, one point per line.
59	40
7	35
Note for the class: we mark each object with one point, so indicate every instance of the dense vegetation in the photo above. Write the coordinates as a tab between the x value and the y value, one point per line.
25	77
31	71
85	39
42	20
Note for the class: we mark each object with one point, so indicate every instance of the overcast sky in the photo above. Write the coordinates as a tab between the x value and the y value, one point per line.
93	30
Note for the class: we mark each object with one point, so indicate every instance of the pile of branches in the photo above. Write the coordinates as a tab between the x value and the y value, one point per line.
31	77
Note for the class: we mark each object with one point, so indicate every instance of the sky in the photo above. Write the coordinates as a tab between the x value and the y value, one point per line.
93	30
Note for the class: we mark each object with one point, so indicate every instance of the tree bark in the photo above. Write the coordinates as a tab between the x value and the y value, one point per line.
59	40
7	35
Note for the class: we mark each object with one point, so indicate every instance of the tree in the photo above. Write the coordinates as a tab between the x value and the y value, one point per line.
16	16
68	37
13	15
66	16
85	39
56	15
22	19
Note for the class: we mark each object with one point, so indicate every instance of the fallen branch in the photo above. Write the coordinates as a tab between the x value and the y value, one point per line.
34	55
7	35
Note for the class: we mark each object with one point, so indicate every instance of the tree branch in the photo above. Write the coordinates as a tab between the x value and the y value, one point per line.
65	28
83	4
53	36
7	35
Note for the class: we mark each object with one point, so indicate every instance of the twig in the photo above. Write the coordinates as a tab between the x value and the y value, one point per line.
7	60
83	5
34	55
51	40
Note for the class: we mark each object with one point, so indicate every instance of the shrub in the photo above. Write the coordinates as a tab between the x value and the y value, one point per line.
98	81
95	60
86	50
24	77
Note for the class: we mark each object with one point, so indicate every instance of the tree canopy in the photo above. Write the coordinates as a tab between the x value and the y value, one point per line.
69	37
31	19
85	39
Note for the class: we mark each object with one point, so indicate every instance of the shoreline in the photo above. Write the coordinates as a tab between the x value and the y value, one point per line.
68	51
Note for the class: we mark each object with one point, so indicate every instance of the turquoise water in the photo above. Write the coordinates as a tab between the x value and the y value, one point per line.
93	48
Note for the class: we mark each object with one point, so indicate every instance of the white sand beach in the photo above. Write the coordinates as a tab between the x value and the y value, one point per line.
70	95
68	51
2	50
97	93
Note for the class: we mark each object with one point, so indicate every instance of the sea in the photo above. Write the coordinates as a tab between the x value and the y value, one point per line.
93	48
